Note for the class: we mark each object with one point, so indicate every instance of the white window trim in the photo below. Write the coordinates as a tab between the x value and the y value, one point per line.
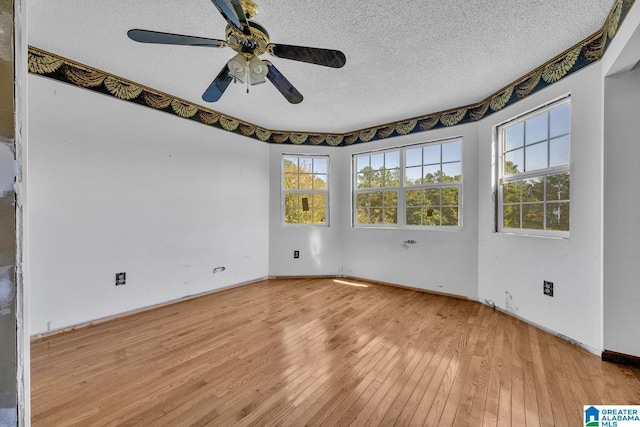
402	188
539	173
284	191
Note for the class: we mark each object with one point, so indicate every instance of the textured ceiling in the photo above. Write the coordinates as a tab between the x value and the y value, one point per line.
404	59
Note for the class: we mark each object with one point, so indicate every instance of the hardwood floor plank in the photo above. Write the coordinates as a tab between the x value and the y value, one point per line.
318	352
496	364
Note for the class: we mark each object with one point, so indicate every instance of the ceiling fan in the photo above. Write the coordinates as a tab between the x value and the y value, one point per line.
250	40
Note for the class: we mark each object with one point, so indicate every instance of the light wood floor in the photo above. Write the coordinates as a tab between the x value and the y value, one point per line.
319	352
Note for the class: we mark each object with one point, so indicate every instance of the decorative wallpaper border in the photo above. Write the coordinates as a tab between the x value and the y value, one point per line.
573	59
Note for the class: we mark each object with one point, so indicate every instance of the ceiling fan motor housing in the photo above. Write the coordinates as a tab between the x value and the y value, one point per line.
256	44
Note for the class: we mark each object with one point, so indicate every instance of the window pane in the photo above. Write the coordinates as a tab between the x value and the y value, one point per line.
450	196
514	137
392	159
290	180
431	216
362	216
536	156
319	208
449	216
560	120
390	216
291	211
390	198
432	197
375	199
431	174
451	172
291	162
362	200
391	178
533	190
558	216
414	216
377	177
511	192
452	151
560	151
558	187
305	181
514	162
305	164
362	163
414	198
306	209
413	157
364	180
511	216
377	161
320	165
533	216
536	129
431	154
319	216
320	182
375	216
414	175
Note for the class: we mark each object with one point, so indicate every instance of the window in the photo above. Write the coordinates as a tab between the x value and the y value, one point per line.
305	189
533	167
414	186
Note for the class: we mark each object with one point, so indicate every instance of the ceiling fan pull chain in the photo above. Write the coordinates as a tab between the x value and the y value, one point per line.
248	76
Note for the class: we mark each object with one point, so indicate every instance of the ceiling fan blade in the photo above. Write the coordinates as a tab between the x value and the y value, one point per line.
146	36
233	13
313	55
283	85
217	86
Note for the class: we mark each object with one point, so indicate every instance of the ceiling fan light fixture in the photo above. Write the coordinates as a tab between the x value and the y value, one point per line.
257	70
237	67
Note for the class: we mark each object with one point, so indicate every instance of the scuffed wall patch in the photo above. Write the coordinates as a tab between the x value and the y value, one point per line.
508	303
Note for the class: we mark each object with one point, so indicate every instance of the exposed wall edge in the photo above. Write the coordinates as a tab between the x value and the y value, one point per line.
620	358
584	53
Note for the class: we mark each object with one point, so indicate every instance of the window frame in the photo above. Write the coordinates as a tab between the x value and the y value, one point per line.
501	178
402	188
284	191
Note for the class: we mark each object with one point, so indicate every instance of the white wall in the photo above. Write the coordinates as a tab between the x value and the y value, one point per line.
116	187
512	267
622	213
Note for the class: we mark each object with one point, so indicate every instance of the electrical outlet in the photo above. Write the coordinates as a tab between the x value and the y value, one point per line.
547	288
121	279
296	254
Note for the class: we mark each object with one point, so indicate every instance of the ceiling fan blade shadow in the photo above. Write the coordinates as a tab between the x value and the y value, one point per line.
217	86
313	55
283	85
147	36
233	13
